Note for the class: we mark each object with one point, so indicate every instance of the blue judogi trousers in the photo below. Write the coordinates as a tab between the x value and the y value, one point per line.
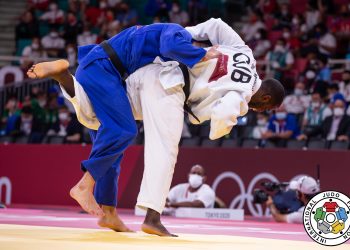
103	85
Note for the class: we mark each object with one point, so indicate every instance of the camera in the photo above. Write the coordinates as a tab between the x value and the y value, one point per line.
285	201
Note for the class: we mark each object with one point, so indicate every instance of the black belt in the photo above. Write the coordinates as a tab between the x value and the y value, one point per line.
113	56
186	89
123	73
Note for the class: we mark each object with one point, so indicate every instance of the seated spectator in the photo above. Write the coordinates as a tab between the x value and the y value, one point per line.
29	126
67	126
315	113
32	52
324	73
306	188
39	4
334	93
297	102
280	60
193	194
71	55
283	17
344	85
261	44
53	43
27	27
261	126
250	29
177	15
72	27
313	17
126	16
292	39
10	116
54	15
335	127
86	37
281	126
92	13
327	43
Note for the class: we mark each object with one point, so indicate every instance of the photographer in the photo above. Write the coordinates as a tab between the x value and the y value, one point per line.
306	188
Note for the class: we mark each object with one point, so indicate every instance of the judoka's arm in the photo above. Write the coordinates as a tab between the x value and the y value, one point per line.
217	32
176	44
225	113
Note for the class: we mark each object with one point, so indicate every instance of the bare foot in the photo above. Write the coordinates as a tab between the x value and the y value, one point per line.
153	225
111	220
83	194
48	69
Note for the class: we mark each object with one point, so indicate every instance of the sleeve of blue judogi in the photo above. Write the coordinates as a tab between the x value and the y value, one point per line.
176	44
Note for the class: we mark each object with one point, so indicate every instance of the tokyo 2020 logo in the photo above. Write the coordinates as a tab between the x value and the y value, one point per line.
326	218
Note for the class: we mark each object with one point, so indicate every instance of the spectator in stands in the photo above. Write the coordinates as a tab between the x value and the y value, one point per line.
109	26
32	52
10	116
283	17
86	37
297	102
315	114
198	11
72	27
177	15
324	73
53	16
335	127
158	9
195	193
250	29
280	60
261	44
261	125
67	126
334	93
281	126
29	126
53	43
313	17
327	43
71	55
92	13
27	27
306	188
344	85
126	16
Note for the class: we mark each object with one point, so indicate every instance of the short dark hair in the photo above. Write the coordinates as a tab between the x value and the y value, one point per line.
274	88
27	110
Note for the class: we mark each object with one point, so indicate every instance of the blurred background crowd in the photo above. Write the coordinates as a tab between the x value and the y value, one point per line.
304	44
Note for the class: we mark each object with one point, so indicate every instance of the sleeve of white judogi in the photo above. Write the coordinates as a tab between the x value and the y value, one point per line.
225	113
217	32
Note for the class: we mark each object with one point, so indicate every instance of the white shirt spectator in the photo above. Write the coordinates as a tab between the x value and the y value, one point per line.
181	193
334	128
54	15
296	104
312	18
315	118
344	89
52	41
296	217
327	40
86	38
249	30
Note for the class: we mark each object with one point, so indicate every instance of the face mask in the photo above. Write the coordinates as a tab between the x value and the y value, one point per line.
295	21
281	115
261	122
70	50
337	112
195	180
298	92
63	116
257	36
54	34
26	119
53	7
176	9
279	48
35	46
315	105
310	74
103	5
286	35
42	103
86	33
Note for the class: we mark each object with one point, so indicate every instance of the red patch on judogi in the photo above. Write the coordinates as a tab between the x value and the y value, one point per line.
220	68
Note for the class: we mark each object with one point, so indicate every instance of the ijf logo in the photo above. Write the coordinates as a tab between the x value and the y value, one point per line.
326	218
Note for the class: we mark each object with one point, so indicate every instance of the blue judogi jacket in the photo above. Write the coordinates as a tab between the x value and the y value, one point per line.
140	45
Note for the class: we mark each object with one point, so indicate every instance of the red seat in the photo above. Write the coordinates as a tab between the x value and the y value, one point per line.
298	6
274	35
